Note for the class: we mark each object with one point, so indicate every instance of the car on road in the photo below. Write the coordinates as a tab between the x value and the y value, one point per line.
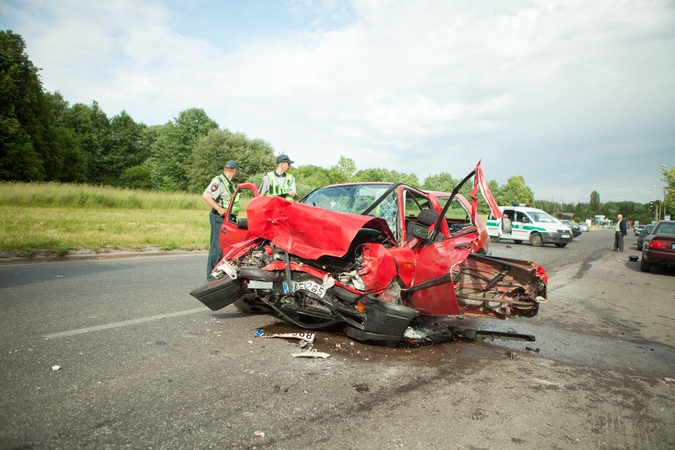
522	223
638	229
583	226
367	258
644	232
659	247
576	229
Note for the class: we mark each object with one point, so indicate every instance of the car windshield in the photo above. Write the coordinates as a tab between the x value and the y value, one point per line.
541	216
356	199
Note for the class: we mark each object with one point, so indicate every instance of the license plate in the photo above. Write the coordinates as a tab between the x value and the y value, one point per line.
311	286
564	236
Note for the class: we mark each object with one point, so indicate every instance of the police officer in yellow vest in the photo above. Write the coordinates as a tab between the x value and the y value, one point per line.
217	195
279	182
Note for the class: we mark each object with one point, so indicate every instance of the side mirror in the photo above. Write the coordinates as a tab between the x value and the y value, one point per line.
242	224
421	232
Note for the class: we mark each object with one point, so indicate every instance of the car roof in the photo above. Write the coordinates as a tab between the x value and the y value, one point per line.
521	208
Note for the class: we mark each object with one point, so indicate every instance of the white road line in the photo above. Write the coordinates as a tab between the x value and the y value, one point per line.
124	323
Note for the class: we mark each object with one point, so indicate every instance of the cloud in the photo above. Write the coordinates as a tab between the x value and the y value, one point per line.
575	96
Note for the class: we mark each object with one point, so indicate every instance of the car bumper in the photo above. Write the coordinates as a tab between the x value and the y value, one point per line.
556	238
654	256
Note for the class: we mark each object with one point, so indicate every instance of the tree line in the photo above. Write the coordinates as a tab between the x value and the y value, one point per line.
45	138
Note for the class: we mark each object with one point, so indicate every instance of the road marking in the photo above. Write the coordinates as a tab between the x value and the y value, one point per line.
124	323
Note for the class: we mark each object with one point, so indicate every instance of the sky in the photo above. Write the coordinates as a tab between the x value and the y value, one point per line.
574	96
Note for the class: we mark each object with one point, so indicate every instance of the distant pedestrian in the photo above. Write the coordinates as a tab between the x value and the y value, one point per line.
620	230
217	195
278	182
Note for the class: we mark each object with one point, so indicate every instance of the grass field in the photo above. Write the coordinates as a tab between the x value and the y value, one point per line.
51	218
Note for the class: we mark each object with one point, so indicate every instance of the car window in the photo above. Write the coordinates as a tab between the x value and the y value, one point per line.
353	199
414	203
666	229
522	217
455	211
541	216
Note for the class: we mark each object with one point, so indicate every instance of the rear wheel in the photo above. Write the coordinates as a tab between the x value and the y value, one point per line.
645	266
494	238
535	239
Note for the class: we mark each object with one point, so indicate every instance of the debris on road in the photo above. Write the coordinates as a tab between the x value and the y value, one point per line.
56	367
312	353
307	337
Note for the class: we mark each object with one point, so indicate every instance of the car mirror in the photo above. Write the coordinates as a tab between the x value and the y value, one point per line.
242	224
421	232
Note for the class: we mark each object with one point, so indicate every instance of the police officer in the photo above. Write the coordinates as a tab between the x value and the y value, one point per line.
217	195
279	182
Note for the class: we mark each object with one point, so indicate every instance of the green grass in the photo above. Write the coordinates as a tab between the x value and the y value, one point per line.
52	218
85	196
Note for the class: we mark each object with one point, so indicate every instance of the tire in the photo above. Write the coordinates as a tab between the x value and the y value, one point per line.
252	306
494	238
645	266
560	245
518	241
535	240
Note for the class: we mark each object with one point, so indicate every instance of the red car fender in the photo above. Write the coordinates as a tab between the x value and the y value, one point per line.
378	268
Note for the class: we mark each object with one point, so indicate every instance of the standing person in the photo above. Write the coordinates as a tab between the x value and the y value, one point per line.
279	182
217	195
620	230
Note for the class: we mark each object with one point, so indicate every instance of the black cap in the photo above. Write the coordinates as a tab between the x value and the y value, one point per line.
284	158
232	164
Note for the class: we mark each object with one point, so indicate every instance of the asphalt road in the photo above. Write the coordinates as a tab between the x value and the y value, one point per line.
141	364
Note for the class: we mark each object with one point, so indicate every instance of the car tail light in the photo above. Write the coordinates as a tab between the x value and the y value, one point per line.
658	244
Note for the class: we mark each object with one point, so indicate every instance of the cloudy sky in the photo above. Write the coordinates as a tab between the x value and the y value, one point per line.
575	96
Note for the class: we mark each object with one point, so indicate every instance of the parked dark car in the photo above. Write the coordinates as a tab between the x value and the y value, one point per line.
575	228
659	246
644	232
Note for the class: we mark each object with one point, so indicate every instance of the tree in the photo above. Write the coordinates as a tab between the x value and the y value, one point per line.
173	148
443	182
92	128
214	150
594	205
515	191
124	148
343	171
26	139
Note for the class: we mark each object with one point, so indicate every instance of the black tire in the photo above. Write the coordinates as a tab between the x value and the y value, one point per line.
252	306
535	240
560	245
518	241
645	266
494	238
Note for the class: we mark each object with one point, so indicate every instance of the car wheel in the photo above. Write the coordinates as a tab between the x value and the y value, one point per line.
560	245
535	239
518	241
644	265
251	306
494	238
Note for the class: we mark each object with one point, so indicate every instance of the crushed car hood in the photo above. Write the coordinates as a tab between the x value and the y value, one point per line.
307	231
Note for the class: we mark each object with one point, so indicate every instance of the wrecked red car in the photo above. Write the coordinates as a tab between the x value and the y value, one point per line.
368	258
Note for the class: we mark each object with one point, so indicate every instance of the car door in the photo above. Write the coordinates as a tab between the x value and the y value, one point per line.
521	226
235	228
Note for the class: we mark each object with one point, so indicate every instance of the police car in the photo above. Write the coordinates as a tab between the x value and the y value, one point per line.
523	223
